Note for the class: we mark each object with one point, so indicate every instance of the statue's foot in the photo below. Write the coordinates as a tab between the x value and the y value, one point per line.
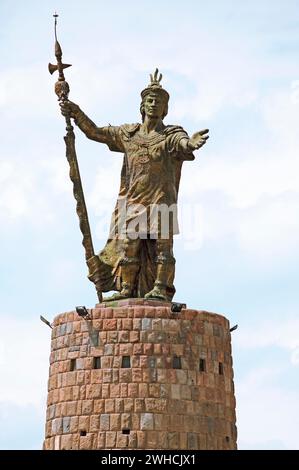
157	293
114	297
123	294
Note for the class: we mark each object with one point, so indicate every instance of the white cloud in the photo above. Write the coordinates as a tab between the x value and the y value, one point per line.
270	231
295	356
246	179
15	190
62	273
56	172
267	413
281	333
26	91
34	187
25	348
260	165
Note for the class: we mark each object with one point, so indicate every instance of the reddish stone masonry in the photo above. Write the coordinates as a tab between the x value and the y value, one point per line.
141	377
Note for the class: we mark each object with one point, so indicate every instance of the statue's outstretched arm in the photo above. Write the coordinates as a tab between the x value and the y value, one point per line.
185	145
83	122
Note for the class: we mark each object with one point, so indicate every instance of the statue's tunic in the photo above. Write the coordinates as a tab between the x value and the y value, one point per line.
150	178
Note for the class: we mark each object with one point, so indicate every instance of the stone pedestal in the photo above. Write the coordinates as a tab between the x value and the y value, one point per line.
137	376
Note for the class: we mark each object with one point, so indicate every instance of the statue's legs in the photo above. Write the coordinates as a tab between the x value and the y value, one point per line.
130	265
165	262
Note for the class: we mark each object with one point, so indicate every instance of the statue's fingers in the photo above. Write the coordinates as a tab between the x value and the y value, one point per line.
204	131
203	141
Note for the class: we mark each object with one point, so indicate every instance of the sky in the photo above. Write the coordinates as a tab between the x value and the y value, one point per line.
228	66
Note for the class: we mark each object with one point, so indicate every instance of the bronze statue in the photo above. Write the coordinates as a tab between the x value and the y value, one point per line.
142	264
137	260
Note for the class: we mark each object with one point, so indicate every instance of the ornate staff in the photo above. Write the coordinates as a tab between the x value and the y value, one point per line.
62	90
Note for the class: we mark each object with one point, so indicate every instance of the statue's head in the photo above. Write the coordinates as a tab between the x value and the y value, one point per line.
154	98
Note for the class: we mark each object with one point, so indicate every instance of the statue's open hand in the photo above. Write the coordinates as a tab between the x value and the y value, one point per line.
68	108
198	139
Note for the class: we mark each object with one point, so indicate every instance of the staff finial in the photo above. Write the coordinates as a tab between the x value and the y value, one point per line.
55	24
58	54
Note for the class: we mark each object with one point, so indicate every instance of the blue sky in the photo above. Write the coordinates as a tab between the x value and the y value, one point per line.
228	66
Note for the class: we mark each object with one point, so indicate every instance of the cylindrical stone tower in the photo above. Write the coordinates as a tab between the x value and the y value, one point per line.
138	376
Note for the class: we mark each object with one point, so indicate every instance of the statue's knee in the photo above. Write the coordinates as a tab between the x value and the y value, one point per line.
131	248
164	252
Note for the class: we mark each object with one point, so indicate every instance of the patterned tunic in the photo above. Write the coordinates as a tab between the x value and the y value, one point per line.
150	176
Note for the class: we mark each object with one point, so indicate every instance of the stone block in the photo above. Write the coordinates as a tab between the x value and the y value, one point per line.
147	421
127	324
66	442
123	336
141	440
143	390
107	375
134	336
99	406
71	408
105	422
173	440
87	407
138	312
115	422
66	422
57	427
74	421
110	440
119	405
94	423
139	404
126	349
185	392
109	324
133	390
83	423
125	375
86	442
112	337
132	440
124	390
126	421
155	404
176	391
137	324
109	405
138	348
128	404
114	390
146	324
137	375
121	440
154	391
152	440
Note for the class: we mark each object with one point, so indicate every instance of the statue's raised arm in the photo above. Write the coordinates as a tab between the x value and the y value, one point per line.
90	129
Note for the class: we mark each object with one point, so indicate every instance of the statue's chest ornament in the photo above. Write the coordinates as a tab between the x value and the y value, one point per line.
143	153
146	149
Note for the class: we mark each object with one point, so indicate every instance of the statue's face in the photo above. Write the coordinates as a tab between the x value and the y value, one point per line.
154	106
